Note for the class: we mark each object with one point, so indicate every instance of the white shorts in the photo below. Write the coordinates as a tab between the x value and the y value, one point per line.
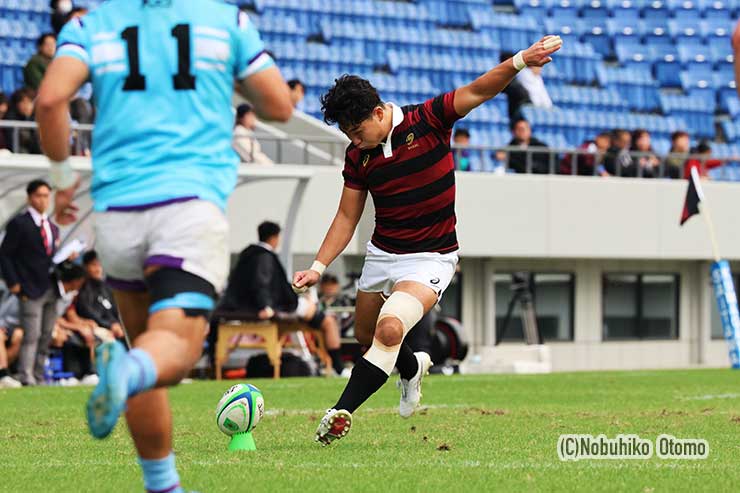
192	236
382	270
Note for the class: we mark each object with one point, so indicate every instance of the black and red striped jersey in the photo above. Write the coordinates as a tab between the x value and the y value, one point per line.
411	179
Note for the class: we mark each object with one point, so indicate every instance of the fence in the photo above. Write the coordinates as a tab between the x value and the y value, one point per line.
480	158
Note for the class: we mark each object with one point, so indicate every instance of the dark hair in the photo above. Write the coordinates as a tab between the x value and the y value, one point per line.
462	132
242	110
293	83
69	271
267	230
329	278
604	134
35	185
516	121
43	37
678	134
350	102
636	134
90	256
703	147
3	98
23	92
505	55
618	132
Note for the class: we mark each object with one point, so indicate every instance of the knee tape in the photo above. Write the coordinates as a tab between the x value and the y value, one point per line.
405	308
409	311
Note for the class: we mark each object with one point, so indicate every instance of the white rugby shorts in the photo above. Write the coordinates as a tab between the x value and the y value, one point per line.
383	270
192	236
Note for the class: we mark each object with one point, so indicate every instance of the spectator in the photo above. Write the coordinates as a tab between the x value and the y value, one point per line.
700	159
297	91
244	142
588	164
647	164
531	80
516	94
95	300
11	335
522	138
680	147
462	156
258	283
76	334
3	111
25	259
330	296
35	69
21	109
60	10
618	158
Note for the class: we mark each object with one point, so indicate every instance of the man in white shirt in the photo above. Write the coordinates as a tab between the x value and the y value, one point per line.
531	79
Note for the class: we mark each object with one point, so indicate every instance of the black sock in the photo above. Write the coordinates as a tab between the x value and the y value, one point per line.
366	379
407	363
336	360
3	372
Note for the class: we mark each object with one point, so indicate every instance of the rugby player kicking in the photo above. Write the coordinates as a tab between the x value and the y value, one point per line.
402	157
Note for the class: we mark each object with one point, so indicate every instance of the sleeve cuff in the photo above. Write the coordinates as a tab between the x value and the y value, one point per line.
74	51
258	64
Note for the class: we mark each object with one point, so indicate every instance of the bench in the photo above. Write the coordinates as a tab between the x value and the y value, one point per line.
270	336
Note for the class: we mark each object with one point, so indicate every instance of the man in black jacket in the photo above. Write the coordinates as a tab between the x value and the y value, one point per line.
26	260
259	284
95	299
522	137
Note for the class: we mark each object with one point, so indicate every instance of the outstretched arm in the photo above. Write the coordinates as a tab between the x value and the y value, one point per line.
340	232
495	80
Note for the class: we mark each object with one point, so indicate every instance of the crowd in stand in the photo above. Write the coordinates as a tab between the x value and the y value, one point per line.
615	153
63	304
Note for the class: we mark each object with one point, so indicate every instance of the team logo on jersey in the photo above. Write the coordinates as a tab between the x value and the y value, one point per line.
410	141
365	160
435	281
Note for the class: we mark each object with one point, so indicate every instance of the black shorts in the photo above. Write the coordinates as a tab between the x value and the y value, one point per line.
317	320
8	331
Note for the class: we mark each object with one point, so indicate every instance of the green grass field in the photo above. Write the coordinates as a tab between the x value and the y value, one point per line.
478	433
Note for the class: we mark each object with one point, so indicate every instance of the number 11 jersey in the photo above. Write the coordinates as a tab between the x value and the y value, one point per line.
163	75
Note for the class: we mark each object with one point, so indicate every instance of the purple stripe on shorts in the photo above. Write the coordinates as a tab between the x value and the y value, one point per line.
164	261
143	207
124	285
166	490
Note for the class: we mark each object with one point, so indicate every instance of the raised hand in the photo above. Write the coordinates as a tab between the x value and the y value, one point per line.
539	53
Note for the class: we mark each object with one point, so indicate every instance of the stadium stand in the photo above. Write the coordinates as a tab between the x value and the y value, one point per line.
659	65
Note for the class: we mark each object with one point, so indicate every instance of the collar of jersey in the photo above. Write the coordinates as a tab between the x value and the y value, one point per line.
397	119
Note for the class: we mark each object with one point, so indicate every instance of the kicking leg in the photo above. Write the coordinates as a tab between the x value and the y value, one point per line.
399	313
366	317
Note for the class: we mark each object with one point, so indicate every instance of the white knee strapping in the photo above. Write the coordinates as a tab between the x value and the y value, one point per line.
405	308
382	356
408	310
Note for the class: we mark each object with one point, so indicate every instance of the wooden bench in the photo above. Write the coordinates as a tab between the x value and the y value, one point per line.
270	336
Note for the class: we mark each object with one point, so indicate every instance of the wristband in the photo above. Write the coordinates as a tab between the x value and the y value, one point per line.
519	61
318	267
61	175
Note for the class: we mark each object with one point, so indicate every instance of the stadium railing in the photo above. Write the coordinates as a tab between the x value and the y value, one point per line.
484	158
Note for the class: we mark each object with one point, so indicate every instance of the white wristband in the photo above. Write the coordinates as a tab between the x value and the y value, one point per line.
318	267
62	176
519	61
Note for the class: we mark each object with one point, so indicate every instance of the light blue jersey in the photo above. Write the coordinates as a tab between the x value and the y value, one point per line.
163	76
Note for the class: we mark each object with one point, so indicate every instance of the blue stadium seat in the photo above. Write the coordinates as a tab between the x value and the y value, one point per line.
657	9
